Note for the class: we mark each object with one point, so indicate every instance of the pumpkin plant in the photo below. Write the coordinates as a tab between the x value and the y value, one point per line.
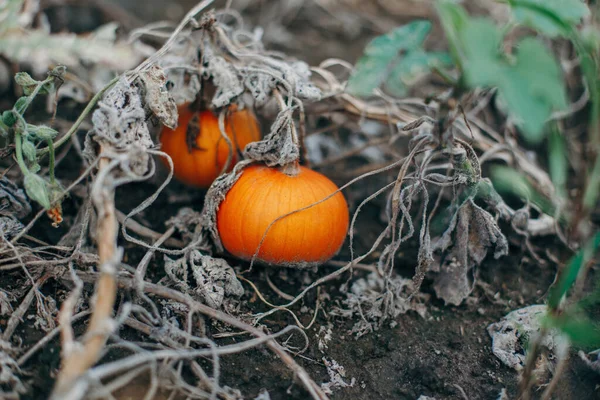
199	150
288	216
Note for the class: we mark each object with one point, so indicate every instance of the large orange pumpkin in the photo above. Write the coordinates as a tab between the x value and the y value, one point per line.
201	166
262	195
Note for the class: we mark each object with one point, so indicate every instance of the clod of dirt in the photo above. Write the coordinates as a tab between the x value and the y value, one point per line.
512	333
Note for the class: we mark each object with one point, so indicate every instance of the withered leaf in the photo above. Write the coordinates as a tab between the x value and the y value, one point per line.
472	232
158	97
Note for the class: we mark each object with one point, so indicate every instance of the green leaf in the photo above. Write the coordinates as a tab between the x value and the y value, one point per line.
41	132
28	84
531	85
36	189
453	18
3	129
379	55
577	327
570	273
507	180
412	67
21	104
29	150
9	118
550	17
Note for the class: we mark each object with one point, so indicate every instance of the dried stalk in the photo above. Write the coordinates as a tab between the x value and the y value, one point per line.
77	360
315	391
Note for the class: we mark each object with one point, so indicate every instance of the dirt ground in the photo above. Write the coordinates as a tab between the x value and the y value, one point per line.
445	354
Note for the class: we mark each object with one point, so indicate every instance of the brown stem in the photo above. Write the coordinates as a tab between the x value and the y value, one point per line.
79	359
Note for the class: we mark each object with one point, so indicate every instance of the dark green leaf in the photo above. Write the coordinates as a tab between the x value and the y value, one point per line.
28	84
570	273
550	17
21	104
9	118
29	150
36	189
412	67
3	129
373	67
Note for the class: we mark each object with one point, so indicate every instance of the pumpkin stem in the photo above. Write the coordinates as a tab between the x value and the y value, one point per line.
291	169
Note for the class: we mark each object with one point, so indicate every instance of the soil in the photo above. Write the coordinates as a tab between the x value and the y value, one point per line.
446	354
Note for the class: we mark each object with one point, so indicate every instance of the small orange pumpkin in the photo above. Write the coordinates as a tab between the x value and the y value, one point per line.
262	195
201	166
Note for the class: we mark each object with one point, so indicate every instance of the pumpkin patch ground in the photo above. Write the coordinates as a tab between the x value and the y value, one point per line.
299	200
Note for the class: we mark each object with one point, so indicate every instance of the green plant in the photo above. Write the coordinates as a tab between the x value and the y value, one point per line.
26	137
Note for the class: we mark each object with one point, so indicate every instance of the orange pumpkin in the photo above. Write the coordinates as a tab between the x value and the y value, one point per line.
262	195
201	166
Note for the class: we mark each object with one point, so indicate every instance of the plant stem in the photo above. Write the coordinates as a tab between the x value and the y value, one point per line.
51	161
33	94
593	186
81	118
19	154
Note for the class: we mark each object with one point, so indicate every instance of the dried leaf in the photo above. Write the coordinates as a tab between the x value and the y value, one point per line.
41	50
9	372
216	280
511	334
9	228
158	98
13	202
472	232
120	121
225	78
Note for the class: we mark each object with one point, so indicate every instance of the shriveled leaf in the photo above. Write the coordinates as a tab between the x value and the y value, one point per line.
158	98
373	67
511	335
13	202
471	234
41	50
550	17
215	280
531	85
37	190
215	283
